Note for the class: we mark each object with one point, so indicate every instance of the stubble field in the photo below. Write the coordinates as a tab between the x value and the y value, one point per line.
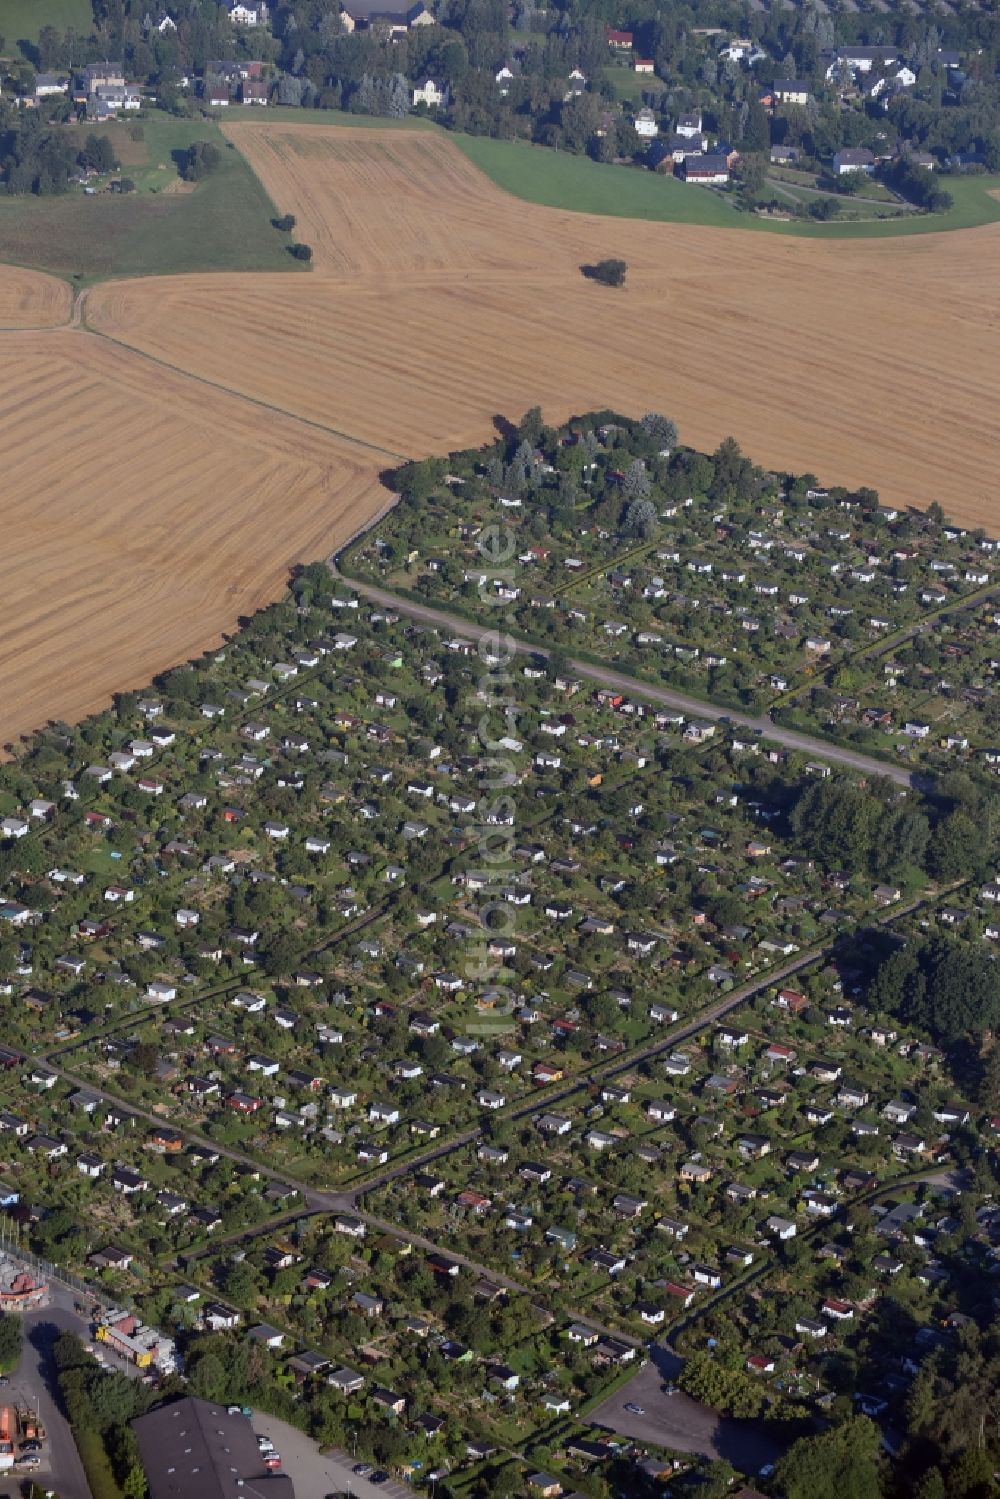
437	301
143	514
169	460
29	299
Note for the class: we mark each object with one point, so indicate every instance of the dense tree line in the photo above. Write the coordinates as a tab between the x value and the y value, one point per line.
40	159
36	158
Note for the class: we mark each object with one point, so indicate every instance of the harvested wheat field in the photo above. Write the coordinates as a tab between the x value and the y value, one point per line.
143	514
177	489
437	301
29	299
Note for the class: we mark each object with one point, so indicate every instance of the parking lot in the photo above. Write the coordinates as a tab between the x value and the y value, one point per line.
314	1475
675	1421
23	1403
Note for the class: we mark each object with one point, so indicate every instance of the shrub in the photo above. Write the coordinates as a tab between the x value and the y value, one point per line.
610	272
301	252
286	223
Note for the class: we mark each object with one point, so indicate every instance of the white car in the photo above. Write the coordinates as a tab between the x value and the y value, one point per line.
265	1444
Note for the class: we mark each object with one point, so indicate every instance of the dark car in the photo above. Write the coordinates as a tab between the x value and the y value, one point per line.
379	1476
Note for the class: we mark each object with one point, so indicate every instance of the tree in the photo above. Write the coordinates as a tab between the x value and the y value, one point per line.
10	1342
290	90
201	159
207	1377
98	152
143	1058
659	429
958	846
752	173
641	518
852	182
842	1463
756	132
397	105
610	272
286	223
989	1085
302	252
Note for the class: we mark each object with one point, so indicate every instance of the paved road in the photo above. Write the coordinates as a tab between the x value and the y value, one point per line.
34	1382
678	1422
606	676
313	1198
313	1475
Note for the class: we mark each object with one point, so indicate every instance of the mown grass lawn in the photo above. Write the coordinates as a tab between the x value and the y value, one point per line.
626	84
22	20
559	180
164	227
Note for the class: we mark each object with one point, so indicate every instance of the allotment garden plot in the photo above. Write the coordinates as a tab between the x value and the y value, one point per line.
739	584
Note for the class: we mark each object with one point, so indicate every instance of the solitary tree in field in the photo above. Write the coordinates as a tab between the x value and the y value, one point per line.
610	272
202	159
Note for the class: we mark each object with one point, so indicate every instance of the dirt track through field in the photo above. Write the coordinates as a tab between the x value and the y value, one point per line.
148	506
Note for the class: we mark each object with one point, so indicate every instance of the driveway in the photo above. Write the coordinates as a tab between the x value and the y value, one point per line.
682	1424
313	1475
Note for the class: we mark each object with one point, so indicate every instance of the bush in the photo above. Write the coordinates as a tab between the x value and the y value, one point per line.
286	223
609	272
301	252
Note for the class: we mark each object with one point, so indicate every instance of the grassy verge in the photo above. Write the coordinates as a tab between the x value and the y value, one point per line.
164	227
100	1478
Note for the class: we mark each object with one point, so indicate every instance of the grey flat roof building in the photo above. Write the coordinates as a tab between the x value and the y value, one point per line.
195	1449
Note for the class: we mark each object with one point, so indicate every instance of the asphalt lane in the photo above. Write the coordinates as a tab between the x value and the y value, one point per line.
606	676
